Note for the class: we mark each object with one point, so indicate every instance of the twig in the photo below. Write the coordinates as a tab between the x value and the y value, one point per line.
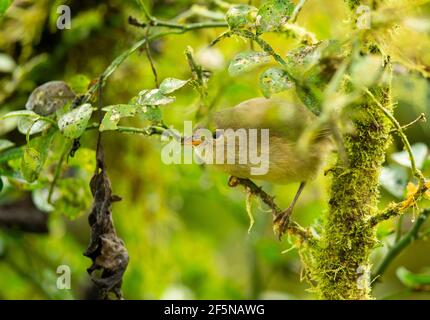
57	172
293	227
415	171
175	29
395	209
422	118
200	77
407	239
296	11
149	56
266	47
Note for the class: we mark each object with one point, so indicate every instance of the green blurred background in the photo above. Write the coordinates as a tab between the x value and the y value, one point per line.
184	228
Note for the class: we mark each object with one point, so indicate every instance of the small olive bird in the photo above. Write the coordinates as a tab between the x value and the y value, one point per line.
286	158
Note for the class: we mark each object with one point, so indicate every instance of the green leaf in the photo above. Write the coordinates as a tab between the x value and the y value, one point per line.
394	179
5	144
274	80
79	83
311	96
20	113
153	97
272	14
31	164
247	61
115	113
412	280
170	85
34	156
419	150
4	4
241	16
1	184
73	123
37	126
74	197
152	113
11	154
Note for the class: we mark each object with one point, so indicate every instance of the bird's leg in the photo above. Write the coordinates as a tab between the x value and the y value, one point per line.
281	220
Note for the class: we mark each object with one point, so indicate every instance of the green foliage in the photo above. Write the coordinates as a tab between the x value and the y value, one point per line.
170	85
79	83
272	14
274	80
115	113
412	280
34	156
4	4
247	61
73	124
176	251
241	16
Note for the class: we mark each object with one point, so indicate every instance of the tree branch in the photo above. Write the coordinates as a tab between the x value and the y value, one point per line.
175	28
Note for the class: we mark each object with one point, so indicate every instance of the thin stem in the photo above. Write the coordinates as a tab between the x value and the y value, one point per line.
398	247
123	56
422	117
415	171
296	11
399	228
149	56
57	172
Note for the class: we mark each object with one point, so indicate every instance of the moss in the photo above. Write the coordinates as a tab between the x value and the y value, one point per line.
340	264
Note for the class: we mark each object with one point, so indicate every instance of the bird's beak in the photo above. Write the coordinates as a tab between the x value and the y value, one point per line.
193	141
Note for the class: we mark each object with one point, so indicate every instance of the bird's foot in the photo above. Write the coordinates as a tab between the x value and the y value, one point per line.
281	222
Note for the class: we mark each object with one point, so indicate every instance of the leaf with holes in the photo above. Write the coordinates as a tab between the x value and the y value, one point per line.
152	113
154	97
247	61
72	124
274	80
241	16
115	113
272	14
170	85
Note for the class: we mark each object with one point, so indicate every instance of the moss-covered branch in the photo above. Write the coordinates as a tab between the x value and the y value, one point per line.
340	263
